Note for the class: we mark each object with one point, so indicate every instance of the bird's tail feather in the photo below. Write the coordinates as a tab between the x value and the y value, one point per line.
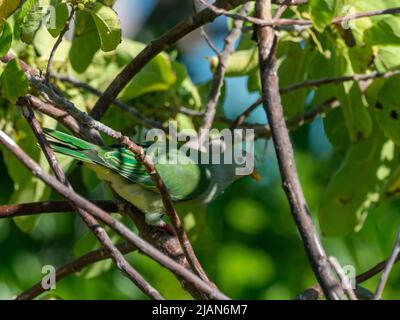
71	146
69	140
66	150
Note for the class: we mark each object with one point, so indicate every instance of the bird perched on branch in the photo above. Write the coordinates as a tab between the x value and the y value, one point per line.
187	181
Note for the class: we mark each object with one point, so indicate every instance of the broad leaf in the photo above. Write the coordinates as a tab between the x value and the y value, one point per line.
6	37
60	20
357	186
158	75
86	42
13	82
387	109
336	130
31	24
108	26
240	63
353	103
322	12
26	7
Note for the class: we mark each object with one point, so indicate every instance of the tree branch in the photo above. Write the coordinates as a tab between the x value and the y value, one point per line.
58	42
388	268
156	238
117	226
218	79
85	119
285	155
343	279
89	220
75	266
66	119
154	48
140	155
314	84
315	292
295	22
33	208
150	123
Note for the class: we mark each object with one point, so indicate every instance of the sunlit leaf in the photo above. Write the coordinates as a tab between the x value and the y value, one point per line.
6	37
13	82
108	26
357	186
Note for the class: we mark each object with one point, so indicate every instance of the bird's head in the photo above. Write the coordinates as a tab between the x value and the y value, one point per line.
233	164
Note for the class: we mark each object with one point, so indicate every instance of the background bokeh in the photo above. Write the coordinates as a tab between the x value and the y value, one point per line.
249	246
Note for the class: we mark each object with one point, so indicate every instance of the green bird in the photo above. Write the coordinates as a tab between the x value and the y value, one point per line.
187	181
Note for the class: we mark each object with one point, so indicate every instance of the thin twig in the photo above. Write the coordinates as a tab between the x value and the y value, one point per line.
115	225
161	239
204	34
285	155
336	80
28	209
314	84
296	22
90	221
218	79
166	242
75	266
66	119
155	47
140	155
388	268
346	284
281	9
58	42
150	123
315	292
85	119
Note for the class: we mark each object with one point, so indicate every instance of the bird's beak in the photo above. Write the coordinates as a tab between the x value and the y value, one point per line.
255	175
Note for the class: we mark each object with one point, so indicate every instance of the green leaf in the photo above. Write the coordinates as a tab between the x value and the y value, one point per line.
292	69
26	7
7	7
108	26
240	63
86	42
254	81
388	57
336	130
62	14
13	82
6	37
158	75
353	103
384	32
187	91
31	24
357	186
354	107
387	109
27	188
322	12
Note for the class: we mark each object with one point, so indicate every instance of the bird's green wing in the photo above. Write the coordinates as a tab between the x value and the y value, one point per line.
125	164
117	159
185	180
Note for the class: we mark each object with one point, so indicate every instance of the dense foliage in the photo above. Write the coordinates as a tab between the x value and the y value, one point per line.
347	157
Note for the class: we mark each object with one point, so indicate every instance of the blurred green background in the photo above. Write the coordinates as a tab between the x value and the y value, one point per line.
249	247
